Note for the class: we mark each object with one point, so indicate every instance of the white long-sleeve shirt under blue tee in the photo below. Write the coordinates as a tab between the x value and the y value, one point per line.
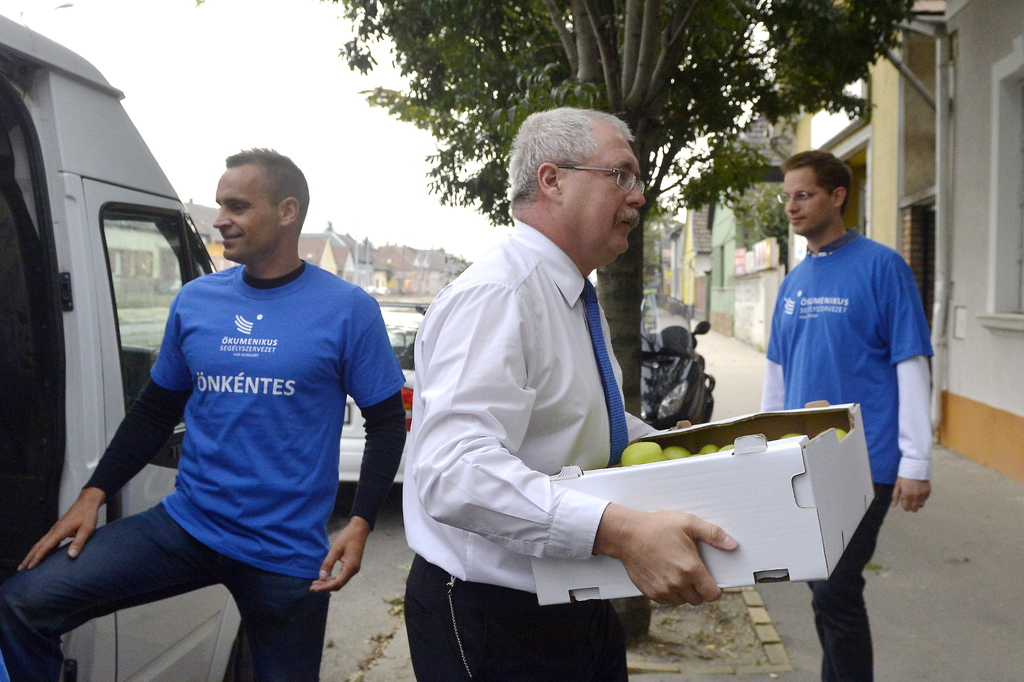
849	327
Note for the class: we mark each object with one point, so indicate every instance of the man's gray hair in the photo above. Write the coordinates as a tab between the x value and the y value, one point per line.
559	136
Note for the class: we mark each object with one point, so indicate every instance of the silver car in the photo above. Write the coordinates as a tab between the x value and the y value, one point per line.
402	322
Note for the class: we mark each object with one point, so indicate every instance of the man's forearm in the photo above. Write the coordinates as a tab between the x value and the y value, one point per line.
382	455
150	421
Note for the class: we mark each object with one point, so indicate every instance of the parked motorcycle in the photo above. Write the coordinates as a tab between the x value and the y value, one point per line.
673	384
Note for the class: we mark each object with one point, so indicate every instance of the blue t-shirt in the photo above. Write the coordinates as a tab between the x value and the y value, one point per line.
269	370
842	323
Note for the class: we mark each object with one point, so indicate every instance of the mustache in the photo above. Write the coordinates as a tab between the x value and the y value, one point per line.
628	215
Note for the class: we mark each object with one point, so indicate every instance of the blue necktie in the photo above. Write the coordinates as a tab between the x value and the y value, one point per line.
612	397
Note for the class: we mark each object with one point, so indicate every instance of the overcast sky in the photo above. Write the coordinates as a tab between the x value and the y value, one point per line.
201	83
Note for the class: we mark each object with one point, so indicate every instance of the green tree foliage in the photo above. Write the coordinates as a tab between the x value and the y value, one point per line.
759	215
686	75
656	230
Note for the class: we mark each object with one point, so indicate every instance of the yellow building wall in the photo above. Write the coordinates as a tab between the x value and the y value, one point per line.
327	261
875	169
857	210
884	158
803	133
686	267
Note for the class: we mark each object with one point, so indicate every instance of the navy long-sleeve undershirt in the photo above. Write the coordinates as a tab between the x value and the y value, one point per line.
151	419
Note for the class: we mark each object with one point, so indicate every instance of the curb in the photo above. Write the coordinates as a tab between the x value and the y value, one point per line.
764	628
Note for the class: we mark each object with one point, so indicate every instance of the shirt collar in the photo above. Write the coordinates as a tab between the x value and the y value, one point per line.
837	244
557	263
275	282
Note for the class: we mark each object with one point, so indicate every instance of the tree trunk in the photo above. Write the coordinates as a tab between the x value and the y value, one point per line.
621	290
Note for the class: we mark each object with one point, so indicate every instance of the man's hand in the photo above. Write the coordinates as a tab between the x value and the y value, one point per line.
78	523
347	548
911	493
659	552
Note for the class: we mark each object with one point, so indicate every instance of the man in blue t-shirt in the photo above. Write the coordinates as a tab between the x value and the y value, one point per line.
259	359
849	327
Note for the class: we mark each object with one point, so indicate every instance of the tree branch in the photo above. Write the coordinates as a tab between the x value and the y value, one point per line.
639	90
674	48
564	34
632	41
588	46
672	150
605	37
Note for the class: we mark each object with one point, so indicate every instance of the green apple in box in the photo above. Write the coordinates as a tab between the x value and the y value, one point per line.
708	449
643	452
677	452
840	433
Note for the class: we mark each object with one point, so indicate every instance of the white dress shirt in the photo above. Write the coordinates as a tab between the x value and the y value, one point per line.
507	393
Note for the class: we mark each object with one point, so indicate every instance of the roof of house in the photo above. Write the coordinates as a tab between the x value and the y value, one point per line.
311	247
313	244
204	217
400	257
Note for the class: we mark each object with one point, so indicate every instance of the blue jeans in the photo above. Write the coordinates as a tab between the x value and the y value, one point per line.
840	613
144	558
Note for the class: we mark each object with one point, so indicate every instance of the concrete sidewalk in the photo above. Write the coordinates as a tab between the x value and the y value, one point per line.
945	593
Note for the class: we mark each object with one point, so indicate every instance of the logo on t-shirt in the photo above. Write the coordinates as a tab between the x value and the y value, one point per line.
243	325
247	346
812	306
788	305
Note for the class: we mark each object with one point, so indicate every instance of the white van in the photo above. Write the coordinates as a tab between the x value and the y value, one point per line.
94	244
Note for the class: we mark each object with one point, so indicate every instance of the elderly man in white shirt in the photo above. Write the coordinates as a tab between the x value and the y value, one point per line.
508	392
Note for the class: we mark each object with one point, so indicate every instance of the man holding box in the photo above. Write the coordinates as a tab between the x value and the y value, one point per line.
514	381
849	327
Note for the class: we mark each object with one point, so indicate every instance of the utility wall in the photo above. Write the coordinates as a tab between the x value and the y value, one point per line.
755	296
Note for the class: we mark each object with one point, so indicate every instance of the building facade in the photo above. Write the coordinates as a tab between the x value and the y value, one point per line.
979	250
939	176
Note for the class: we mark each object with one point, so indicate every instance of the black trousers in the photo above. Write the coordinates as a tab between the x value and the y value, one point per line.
487	633
840	614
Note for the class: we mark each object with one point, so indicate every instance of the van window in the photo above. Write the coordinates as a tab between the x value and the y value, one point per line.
151	254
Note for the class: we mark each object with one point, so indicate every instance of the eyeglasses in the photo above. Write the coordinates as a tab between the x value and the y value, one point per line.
623	178
798	197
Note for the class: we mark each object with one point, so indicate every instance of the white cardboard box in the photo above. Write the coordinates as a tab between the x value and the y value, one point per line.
792	504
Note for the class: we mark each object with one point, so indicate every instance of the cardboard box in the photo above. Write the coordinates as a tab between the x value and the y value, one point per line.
792	504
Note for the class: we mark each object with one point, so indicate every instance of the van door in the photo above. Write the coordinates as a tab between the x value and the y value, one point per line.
151	252
31	353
